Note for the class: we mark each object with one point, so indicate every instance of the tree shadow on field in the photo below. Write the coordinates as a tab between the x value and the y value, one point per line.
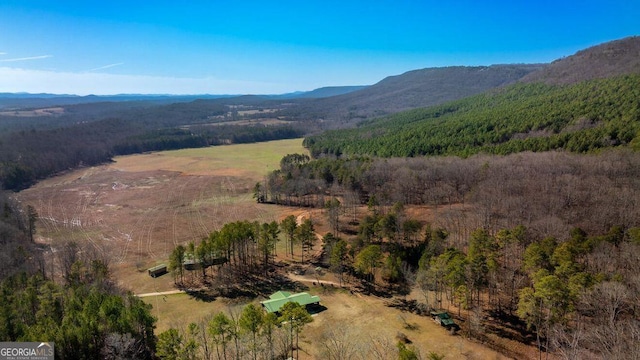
313	309
249	285
202	295
266	285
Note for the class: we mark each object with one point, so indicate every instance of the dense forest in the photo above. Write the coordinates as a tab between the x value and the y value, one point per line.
548	192
524	117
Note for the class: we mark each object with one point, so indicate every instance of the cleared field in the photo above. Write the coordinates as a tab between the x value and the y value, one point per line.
254	160
36	112
134	211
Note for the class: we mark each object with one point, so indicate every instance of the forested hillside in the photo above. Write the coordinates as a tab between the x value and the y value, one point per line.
582	117
606	60
533	189
417	88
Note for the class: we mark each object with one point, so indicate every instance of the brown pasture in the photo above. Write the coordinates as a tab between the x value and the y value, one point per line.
134	211
52	111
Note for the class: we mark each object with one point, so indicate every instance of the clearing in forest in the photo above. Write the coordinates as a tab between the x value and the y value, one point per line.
134	211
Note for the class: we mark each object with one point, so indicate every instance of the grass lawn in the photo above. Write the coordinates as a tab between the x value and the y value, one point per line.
363	320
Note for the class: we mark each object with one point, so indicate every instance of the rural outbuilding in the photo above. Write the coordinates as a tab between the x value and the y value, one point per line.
276	300
445	320
191	264
158	270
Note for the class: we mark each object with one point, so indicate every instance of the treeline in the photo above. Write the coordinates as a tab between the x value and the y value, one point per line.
576	297
68	298
580	118
28	156
238	248
17	226
196	137
579	296
83	319
549	193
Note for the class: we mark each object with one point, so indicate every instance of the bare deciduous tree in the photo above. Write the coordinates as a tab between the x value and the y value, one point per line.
340	343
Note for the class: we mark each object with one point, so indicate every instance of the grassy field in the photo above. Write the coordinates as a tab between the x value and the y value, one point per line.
134	211
253	160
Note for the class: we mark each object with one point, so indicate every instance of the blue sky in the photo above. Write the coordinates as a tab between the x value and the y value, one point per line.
240	47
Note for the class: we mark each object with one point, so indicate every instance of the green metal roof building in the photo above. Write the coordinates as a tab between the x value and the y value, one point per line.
276	300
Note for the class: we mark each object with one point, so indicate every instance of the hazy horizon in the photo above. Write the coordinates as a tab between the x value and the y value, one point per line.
253	47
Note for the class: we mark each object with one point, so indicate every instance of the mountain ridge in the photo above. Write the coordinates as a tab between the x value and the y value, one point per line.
582	103
412	89
617	57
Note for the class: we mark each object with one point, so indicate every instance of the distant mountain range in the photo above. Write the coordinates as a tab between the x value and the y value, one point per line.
322	92
341	106
27	100
417	88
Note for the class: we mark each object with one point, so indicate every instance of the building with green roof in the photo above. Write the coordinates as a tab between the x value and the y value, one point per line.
276	300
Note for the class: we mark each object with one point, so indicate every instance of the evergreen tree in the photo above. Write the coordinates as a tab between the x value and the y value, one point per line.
289	226
221	329
251	321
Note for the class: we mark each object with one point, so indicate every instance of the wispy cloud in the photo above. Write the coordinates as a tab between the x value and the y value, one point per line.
42	81
27	58
2	53
105	67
